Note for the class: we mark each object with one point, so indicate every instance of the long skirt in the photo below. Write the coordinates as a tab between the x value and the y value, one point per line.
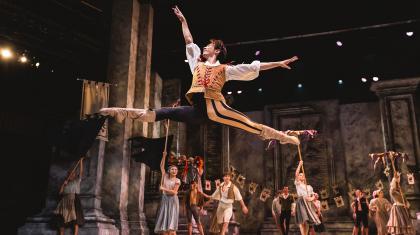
69	210
399	221
168	213
305	212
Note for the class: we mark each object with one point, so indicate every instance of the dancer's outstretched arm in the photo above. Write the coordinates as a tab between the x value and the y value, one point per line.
248	72
282	64
193	52
185	29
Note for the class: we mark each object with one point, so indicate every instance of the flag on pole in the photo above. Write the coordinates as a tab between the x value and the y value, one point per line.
95	95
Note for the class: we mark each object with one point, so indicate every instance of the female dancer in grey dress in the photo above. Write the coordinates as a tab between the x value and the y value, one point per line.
380	207
168	213
399	219
305	210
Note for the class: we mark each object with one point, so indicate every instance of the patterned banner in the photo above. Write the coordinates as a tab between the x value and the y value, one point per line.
95	95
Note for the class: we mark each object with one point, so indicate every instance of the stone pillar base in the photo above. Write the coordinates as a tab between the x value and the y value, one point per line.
340	226
269	227
139	227
93	226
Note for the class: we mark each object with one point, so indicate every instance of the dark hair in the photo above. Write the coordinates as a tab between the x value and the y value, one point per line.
227	173
219	45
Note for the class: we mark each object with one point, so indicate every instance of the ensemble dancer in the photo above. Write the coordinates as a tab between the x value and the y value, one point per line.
69	208
193	171
360	208
286	201
226	194
168	213
205	97
194	202
317	203
399	219
276	209
305	210
380	208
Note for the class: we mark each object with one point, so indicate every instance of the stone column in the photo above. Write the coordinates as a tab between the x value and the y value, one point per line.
122	72
399	109
143	91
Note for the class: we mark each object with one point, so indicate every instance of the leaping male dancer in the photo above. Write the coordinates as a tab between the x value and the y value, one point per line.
205	97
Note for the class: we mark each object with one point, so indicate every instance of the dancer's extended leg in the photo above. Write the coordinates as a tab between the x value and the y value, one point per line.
220	112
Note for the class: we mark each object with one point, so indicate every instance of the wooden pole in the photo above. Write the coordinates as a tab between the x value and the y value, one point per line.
166	146
166	139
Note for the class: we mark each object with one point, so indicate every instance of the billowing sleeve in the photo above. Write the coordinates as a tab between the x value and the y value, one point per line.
238	195
216	194
243	72
193	54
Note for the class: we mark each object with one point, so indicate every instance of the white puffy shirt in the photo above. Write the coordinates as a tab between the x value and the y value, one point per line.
242	72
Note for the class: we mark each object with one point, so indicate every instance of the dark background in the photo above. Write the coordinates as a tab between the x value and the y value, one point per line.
70	39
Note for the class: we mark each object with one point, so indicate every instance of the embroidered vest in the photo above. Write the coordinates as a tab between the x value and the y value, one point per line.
208	80
231	193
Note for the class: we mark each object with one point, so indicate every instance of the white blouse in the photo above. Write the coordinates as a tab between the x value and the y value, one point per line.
169	183
303	190
242	72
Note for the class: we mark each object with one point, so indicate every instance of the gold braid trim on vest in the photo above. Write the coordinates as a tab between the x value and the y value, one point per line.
208	80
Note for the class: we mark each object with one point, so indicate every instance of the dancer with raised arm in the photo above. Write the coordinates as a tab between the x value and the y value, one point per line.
69	208
399	218
205	97
305	210
168	213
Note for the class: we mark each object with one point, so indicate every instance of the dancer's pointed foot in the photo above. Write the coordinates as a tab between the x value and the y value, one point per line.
270	133
289	139
122	113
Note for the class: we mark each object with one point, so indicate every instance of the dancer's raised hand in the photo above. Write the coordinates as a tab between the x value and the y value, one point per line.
179	14
285	63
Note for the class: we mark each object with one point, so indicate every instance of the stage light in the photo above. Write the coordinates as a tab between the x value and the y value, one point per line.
410	33
375	79
339	43
6	53
37	64
52	70
186	61
300	85
364	80
239	92
260	89
229	93
23	59
340	82
257	53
